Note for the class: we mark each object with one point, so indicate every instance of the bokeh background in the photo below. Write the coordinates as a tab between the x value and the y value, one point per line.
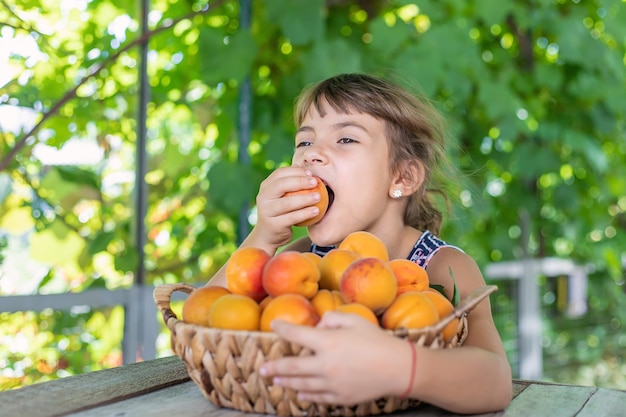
134	135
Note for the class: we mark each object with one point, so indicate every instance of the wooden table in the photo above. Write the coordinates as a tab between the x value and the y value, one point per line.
161	387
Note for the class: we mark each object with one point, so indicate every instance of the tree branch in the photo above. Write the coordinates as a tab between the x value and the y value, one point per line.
93	71
525	43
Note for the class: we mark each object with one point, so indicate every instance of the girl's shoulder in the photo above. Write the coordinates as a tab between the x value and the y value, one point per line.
450	266
426	247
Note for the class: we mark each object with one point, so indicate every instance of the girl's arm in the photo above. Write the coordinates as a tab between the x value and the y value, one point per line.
477	376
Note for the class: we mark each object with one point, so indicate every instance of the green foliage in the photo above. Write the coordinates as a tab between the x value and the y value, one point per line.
52	344
532	91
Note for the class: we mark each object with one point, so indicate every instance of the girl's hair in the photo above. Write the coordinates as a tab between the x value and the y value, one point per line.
414	128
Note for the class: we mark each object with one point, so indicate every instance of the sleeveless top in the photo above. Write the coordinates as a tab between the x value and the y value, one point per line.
424	249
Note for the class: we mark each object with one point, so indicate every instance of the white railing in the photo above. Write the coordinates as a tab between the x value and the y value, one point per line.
140	314
527	272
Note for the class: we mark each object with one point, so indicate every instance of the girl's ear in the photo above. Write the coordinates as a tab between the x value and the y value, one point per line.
408	179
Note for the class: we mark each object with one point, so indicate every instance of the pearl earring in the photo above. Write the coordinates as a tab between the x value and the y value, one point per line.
397	193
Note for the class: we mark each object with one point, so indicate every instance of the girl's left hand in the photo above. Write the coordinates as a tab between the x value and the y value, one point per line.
353	362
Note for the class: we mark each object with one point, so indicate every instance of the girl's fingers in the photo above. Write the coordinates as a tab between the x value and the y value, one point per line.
288	179
295	366
310	337
336	320
310	384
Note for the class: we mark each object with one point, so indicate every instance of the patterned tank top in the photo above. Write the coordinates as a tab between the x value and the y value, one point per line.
424	249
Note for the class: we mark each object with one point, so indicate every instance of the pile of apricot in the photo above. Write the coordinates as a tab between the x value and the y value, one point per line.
356	277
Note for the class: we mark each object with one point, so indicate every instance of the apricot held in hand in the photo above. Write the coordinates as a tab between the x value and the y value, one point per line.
322	204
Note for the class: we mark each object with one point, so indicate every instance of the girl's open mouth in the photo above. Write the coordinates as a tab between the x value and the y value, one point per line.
331	196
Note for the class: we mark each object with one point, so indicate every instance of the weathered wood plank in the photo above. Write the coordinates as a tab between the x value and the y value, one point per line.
186	400
430	411
606	403
519	386
426	410
82	392
178	400
550	400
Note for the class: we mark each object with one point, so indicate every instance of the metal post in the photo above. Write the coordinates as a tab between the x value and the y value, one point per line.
531	363
141	196
244	125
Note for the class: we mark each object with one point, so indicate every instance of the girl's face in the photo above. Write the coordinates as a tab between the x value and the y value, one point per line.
350	153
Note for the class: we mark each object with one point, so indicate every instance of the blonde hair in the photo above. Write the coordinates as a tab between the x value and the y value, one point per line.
414	127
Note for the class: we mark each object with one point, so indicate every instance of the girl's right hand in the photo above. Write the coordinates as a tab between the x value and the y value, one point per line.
276	213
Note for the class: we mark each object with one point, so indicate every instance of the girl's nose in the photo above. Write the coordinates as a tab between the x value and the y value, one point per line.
314	156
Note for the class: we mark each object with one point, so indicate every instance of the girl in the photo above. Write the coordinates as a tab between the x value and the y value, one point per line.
376	147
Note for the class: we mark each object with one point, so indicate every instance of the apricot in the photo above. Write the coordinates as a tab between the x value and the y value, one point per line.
235	312
314	257
197	306
326	300
369	281
412	310
322	204
292	308
366	244
291	272
264	301
410	276
444	308
244	272
359	309
332	267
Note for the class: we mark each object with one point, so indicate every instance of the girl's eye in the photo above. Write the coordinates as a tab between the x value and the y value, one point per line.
302	144
346	140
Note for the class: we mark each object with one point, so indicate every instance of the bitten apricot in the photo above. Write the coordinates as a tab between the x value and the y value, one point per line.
235	312
444	308
359	309
410	276
366	244
244	272
197	306
292	308
332	267
291	272
326	300
412	310
322	204
369	281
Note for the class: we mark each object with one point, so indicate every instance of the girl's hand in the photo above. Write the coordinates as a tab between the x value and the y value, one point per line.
276	215
354	361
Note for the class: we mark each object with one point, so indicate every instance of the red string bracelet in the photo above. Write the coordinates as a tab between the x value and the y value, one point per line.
413	364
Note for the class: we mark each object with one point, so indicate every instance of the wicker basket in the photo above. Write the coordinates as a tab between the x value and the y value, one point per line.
224	364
